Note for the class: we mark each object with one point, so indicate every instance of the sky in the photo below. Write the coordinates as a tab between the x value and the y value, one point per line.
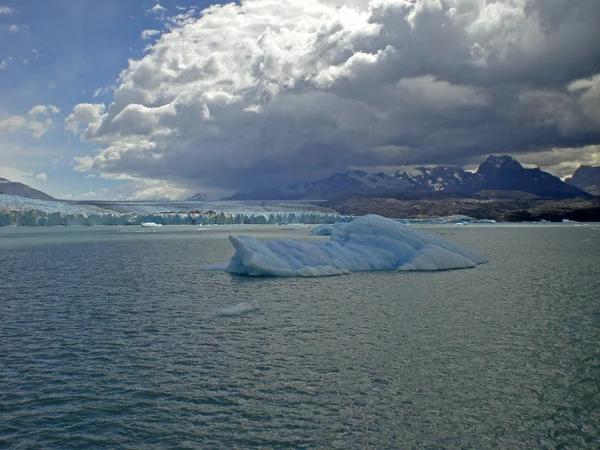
128	99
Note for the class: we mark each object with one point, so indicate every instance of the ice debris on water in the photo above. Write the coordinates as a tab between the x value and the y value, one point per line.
365	244
239	309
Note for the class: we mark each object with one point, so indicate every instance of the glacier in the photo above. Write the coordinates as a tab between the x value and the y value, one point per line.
365	244
20	211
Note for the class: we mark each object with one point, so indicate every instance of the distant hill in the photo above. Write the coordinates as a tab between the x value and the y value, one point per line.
22	190
586	178
494	176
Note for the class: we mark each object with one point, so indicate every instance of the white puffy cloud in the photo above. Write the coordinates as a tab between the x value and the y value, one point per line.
38	121
85	116
13	123
271	91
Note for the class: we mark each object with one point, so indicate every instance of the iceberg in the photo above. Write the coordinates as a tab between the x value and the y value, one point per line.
367	243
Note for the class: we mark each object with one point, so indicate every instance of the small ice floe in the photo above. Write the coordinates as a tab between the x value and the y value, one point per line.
150	224
239	309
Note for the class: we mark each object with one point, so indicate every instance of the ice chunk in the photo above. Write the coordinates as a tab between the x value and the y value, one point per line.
239	309
150	224
367	243
324	230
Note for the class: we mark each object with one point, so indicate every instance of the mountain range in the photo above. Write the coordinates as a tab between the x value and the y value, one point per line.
496	176
22	190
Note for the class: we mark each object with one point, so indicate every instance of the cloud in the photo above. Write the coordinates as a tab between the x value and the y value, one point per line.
148	34
85	116
263	93
103	91
7	10
21	176
139	189
4	63
38	121
13	28
13	123
157	9
562	162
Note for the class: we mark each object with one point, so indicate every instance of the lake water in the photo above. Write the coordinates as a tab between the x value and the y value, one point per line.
114	337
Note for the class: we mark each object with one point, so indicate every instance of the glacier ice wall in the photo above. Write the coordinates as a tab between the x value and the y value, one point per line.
365	244
19	211
40	218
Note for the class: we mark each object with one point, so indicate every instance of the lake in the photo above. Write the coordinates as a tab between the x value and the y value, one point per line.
115	337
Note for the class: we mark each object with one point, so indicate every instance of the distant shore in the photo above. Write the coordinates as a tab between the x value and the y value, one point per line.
500	210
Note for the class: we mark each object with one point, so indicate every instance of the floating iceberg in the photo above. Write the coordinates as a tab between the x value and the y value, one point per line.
367	243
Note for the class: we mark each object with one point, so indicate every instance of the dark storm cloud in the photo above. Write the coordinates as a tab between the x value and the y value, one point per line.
263	93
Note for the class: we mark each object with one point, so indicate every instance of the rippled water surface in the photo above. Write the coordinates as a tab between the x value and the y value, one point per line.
114	337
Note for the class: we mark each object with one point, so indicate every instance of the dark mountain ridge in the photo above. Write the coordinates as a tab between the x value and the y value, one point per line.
22	190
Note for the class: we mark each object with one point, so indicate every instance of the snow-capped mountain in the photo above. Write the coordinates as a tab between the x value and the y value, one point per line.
439	178
21	190
586	178
496	173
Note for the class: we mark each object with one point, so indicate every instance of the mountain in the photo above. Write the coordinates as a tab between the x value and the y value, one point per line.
440	178
504	173
199	197
497	176
586	178
22	190
337	185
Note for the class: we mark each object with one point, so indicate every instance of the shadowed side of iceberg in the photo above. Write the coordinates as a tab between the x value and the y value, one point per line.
365	244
